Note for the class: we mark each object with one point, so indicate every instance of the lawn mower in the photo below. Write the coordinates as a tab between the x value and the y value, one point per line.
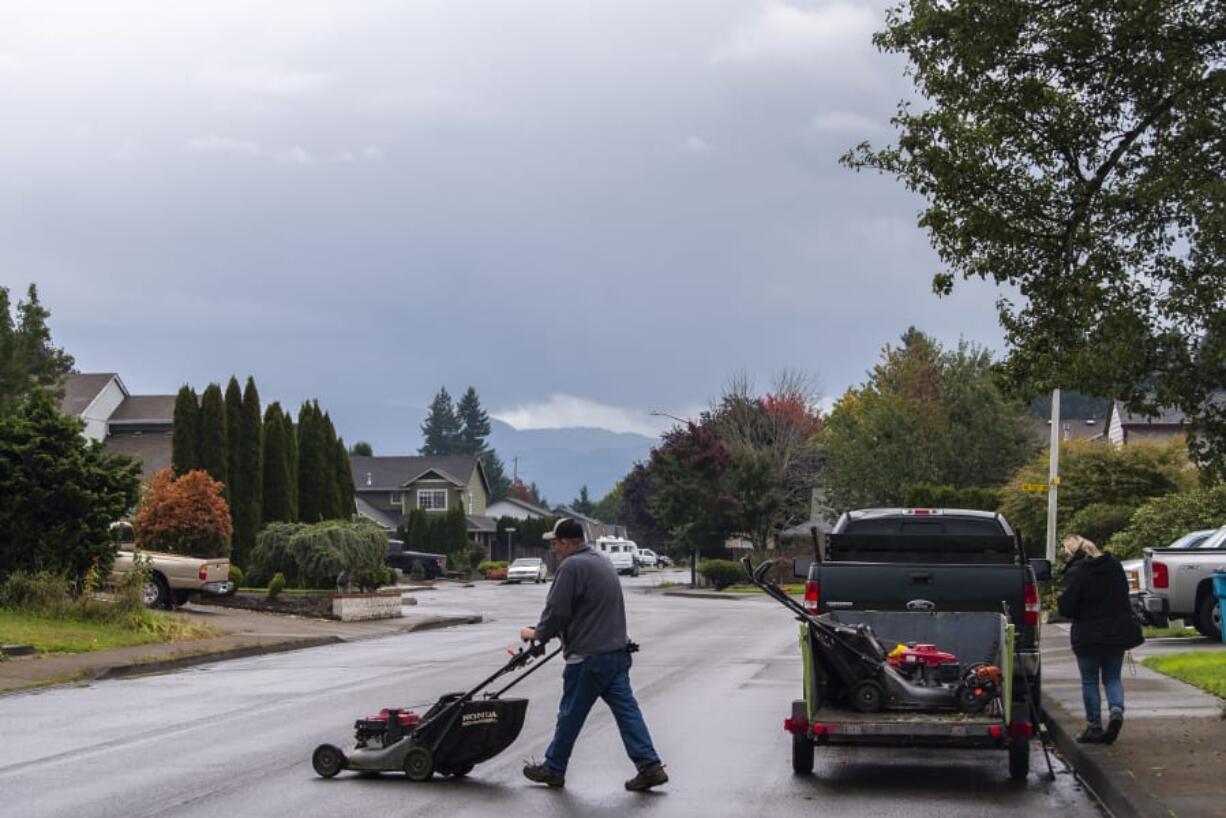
458	732
871	678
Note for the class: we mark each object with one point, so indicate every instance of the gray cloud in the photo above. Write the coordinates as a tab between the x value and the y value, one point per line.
622	202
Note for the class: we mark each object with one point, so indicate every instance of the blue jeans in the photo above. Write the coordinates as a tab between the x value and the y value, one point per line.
1107	667
607	677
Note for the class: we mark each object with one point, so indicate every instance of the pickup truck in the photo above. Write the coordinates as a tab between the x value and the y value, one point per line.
950	563
174	578
432	565
1179	584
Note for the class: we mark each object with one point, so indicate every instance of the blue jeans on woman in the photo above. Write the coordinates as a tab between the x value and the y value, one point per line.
606	676
1107	667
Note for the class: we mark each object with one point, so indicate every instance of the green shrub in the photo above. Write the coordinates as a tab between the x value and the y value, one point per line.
721	573
1163	520
417	571
276	585
488	565
1098	522
326	550
271	554
237	576
929	495
44	593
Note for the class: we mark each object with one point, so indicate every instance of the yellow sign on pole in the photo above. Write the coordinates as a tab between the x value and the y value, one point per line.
1035	488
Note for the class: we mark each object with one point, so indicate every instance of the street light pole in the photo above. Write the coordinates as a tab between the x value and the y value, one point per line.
1053	474
510	555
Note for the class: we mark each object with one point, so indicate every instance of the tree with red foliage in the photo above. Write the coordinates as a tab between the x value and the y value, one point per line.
186	515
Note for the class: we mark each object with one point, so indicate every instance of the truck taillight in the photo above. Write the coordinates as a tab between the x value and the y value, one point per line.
812	596
1031	608
204	572
1162	577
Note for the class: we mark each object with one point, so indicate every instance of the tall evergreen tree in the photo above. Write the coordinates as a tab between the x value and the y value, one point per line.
474	424
496	473
236	485
277	482
441	431
28	360
329	477
185	440
214	448
291	448
346	491
583	503
312	465
361	449
250	463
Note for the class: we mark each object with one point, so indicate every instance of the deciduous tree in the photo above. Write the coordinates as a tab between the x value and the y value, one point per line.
1073	153
185	515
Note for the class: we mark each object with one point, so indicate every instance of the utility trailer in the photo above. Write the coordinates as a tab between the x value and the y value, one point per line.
824	718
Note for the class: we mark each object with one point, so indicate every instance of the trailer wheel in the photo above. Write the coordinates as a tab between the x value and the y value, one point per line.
802	746
1208	618
1019	758
418	764
328	760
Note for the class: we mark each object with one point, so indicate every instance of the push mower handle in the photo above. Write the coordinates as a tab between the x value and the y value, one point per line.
756	575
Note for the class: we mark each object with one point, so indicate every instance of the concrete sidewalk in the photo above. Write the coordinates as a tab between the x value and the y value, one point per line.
1170	759
246	633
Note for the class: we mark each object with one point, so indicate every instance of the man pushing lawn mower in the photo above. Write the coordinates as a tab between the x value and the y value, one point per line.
585	608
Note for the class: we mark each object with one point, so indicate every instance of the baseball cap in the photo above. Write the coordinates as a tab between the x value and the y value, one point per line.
564	529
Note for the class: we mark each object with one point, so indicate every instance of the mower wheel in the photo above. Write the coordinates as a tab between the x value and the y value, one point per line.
328	760
866	698
1019	758
418	764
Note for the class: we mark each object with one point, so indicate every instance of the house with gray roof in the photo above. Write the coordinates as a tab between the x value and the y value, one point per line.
139	425
1125	428
388	489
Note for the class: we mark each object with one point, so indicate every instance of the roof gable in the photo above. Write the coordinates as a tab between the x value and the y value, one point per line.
81	388
371	473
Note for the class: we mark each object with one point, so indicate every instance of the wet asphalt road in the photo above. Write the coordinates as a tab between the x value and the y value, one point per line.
715	679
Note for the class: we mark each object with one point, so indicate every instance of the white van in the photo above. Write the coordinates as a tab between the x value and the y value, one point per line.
622	553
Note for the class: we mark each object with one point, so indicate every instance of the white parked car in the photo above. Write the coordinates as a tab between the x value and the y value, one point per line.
648	558
622	553
527	569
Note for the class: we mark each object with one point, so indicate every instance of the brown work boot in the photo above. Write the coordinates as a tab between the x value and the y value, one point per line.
647	778
543	775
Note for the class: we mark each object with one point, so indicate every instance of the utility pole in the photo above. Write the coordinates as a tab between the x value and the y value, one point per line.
1053	474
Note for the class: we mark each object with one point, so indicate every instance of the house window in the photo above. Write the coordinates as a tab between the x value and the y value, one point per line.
394	498
432	499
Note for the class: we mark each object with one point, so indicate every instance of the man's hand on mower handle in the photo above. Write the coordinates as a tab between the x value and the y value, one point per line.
527	634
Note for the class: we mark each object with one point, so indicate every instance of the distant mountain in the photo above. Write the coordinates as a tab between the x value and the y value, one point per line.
559	461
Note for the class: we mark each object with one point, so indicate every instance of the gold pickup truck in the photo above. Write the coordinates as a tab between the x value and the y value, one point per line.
174	578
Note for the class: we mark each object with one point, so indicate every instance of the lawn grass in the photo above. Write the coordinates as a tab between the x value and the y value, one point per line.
795	588
1171	632
51	635
1205	669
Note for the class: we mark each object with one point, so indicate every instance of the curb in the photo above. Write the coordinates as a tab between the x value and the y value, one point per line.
699	595
181	662
1116	790
169	665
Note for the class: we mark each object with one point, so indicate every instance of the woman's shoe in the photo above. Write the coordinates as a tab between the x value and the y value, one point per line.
1113	727
1093	734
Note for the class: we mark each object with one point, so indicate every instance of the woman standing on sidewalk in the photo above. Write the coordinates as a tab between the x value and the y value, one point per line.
1095	598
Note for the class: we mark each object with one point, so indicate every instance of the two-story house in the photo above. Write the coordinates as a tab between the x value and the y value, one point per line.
390	488
139	425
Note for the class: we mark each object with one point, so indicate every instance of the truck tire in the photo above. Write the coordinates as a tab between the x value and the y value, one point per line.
1019	758
157	592
802	746
1209	617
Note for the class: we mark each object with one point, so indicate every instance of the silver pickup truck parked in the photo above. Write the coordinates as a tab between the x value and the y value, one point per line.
1180	584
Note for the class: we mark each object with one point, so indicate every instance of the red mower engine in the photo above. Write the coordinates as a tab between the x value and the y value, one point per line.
924	664
388	726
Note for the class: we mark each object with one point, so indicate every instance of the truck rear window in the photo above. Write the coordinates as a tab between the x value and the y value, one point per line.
984	526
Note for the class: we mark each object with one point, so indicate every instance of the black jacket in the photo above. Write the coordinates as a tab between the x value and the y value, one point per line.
1095	597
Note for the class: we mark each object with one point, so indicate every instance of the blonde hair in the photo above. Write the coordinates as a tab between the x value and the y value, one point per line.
1075	542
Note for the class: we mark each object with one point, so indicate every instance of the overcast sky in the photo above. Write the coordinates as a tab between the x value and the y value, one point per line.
587	210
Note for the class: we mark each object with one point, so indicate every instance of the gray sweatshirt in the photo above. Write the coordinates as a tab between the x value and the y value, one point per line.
585	607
